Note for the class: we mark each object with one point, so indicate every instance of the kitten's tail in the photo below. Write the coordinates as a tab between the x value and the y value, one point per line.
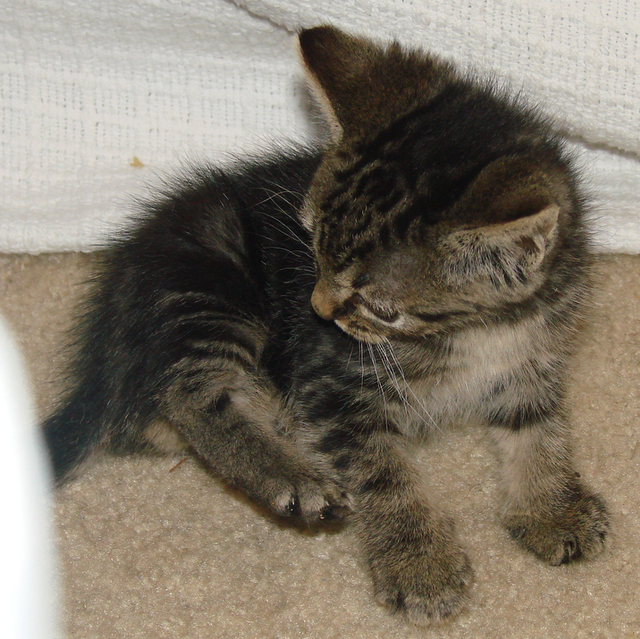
71	434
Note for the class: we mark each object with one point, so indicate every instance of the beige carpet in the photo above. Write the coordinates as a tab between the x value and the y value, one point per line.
145	552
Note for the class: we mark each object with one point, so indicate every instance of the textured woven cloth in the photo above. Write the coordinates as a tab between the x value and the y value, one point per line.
100	101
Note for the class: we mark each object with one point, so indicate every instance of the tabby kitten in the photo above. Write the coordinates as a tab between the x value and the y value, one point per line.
300	321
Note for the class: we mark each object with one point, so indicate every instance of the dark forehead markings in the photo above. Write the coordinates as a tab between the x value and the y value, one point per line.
354	253
390	144
362	223
399	138
422	147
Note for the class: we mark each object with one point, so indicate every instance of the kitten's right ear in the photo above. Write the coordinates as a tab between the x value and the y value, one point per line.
364	86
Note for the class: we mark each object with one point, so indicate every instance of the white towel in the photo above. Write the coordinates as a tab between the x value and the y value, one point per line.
99	100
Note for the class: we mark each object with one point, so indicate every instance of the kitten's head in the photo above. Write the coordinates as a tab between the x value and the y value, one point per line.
438	200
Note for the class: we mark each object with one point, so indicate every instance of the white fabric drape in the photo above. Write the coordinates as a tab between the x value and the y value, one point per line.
99	101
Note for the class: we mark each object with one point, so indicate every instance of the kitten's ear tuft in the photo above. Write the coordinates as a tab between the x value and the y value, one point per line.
513	207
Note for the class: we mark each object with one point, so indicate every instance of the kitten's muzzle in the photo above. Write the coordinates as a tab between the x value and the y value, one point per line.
329	306
344	312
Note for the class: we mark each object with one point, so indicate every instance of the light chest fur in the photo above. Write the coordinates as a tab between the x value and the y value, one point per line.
479	361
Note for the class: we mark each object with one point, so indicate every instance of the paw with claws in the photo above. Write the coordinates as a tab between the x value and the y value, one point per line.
426	589
571	526
426	576
311	500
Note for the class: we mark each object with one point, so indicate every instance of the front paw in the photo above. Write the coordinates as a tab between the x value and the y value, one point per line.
572	525
311	500
428	586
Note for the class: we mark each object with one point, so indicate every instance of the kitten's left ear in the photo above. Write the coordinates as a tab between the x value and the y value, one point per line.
337	64
518	205
509	256
526	241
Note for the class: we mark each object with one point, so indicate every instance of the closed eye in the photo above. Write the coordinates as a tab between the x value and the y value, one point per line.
360	281
384	315
432	317
440	317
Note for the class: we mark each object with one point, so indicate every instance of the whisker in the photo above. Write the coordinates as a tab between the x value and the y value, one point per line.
378	380
280	192
361	354
288	231
392	360
409	391
392	376
284	249
350	355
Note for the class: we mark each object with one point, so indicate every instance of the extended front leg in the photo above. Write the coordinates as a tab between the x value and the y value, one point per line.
417	563
239	424
546	506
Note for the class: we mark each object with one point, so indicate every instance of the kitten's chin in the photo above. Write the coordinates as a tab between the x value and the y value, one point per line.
358	333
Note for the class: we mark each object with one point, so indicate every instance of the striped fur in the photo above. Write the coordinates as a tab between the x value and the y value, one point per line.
301	321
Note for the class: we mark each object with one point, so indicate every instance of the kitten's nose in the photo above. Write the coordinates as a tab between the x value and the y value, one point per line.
330	306
324	304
